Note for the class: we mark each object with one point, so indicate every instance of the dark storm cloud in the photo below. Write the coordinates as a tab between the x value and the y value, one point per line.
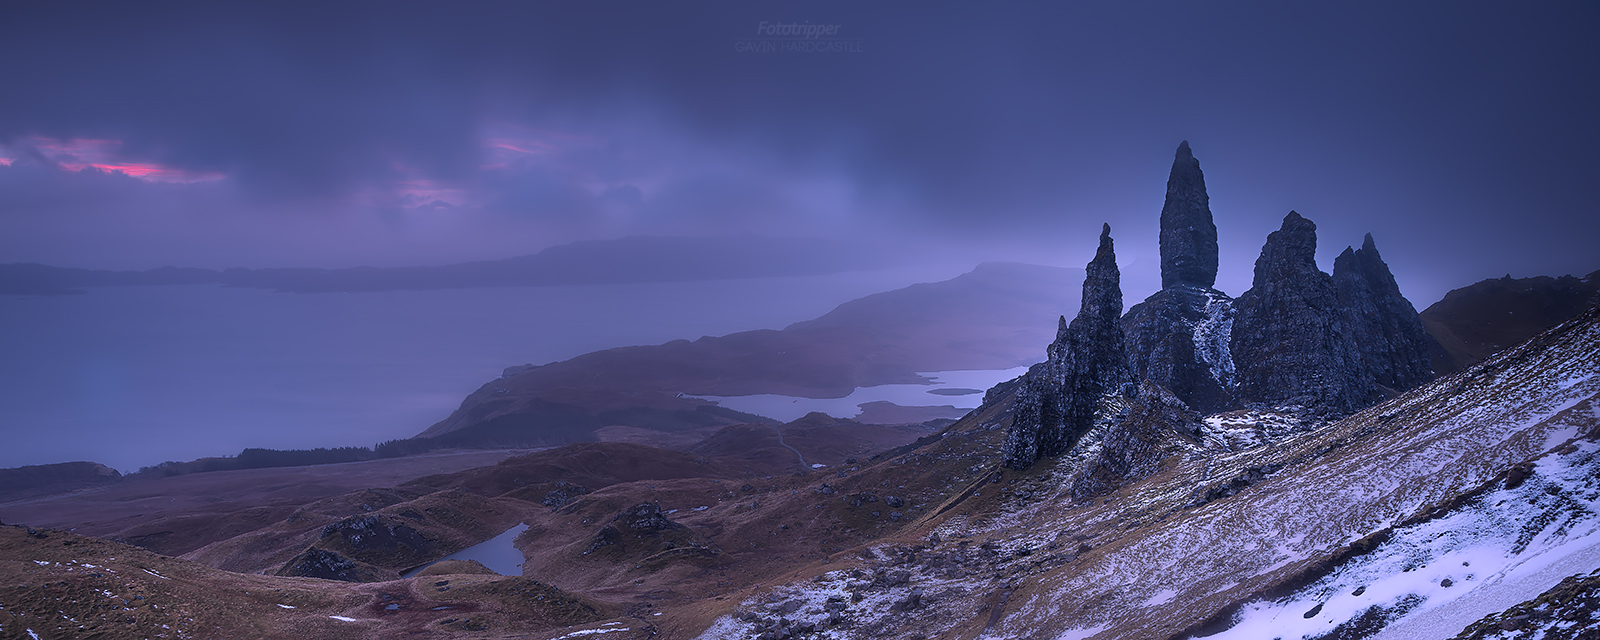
1432	126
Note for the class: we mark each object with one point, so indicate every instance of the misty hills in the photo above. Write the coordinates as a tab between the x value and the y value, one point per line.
993	317
632	259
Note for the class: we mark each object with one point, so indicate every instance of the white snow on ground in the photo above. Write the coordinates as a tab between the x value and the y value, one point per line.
1080	634
1504	548
343	618
1250	428
590	632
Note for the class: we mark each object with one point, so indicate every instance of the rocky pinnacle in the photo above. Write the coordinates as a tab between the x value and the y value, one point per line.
1188	235
1059	397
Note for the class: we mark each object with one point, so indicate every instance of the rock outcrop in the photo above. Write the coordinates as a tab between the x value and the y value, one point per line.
1060	396
1188	235
1387	334
1135	443
329	565
1291	342
1178	337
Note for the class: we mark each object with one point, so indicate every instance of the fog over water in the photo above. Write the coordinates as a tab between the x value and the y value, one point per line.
134	376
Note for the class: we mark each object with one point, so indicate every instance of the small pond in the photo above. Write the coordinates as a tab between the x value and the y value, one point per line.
495	553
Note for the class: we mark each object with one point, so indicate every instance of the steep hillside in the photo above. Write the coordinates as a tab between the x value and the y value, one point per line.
1477	320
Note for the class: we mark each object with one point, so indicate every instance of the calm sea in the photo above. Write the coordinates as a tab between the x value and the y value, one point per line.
134	376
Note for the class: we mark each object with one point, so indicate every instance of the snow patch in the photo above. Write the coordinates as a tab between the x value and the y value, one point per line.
1211	336
590	632
1489	549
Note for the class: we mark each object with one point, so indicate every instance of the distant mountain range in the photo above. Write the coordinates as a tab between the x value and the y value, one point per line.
625	260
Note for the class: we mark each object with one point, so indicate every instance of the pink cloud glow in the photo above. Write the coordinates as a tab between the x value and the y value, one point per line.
78	154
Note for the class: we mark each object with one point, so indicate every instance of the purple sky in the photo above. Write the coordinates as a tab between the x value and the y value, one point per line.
135	135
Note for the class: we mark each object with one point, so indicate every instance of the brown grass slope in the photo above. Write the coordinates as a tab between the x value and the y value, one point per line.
57	585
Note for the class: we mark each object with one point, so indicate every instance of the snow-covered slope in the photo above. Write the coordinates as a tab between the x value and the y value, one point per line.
1412	518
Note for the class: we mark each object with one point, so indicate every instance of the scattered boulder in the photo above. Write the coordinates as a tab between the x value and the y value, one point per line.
379	540
330	565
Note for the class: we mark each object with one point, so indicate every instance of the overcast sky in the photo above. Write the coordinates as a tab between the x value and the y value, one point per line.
1462	135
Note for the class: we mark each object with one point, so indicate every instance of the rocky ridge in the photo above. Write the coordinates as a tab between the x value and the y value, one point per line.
1298	340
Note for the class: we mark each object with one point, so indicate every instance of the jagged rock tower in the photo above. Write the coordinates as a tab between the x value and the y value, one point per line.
1058	398
1299	337
1178	338
1388	334
1291	340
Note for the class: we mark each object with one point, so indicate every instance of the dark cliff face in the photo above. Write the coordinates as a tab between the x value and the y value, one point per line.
1060	396
1387	334
1291	343
1188	235
1132	447
1179	339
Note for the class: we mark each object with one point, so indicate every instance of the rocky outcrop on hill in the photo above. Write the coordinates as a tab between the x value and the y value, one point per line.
1179	336
1134	445
1188	235
1291	342
1386	332
329	565
1060	396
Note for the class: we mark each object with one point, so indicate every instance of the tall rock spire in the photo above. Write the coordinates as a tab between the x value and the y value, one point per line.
1188	235
1059	397
1178	338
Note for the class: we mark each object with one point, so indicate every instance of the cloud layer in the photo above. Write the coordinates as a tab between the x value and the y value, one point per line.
284	134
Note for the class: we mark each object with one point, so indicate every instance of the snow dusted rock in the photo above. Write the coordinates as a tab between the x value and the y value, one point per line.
1388	335
1059	397
1179	338
1136	442
1188	235
1291	343
329	565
